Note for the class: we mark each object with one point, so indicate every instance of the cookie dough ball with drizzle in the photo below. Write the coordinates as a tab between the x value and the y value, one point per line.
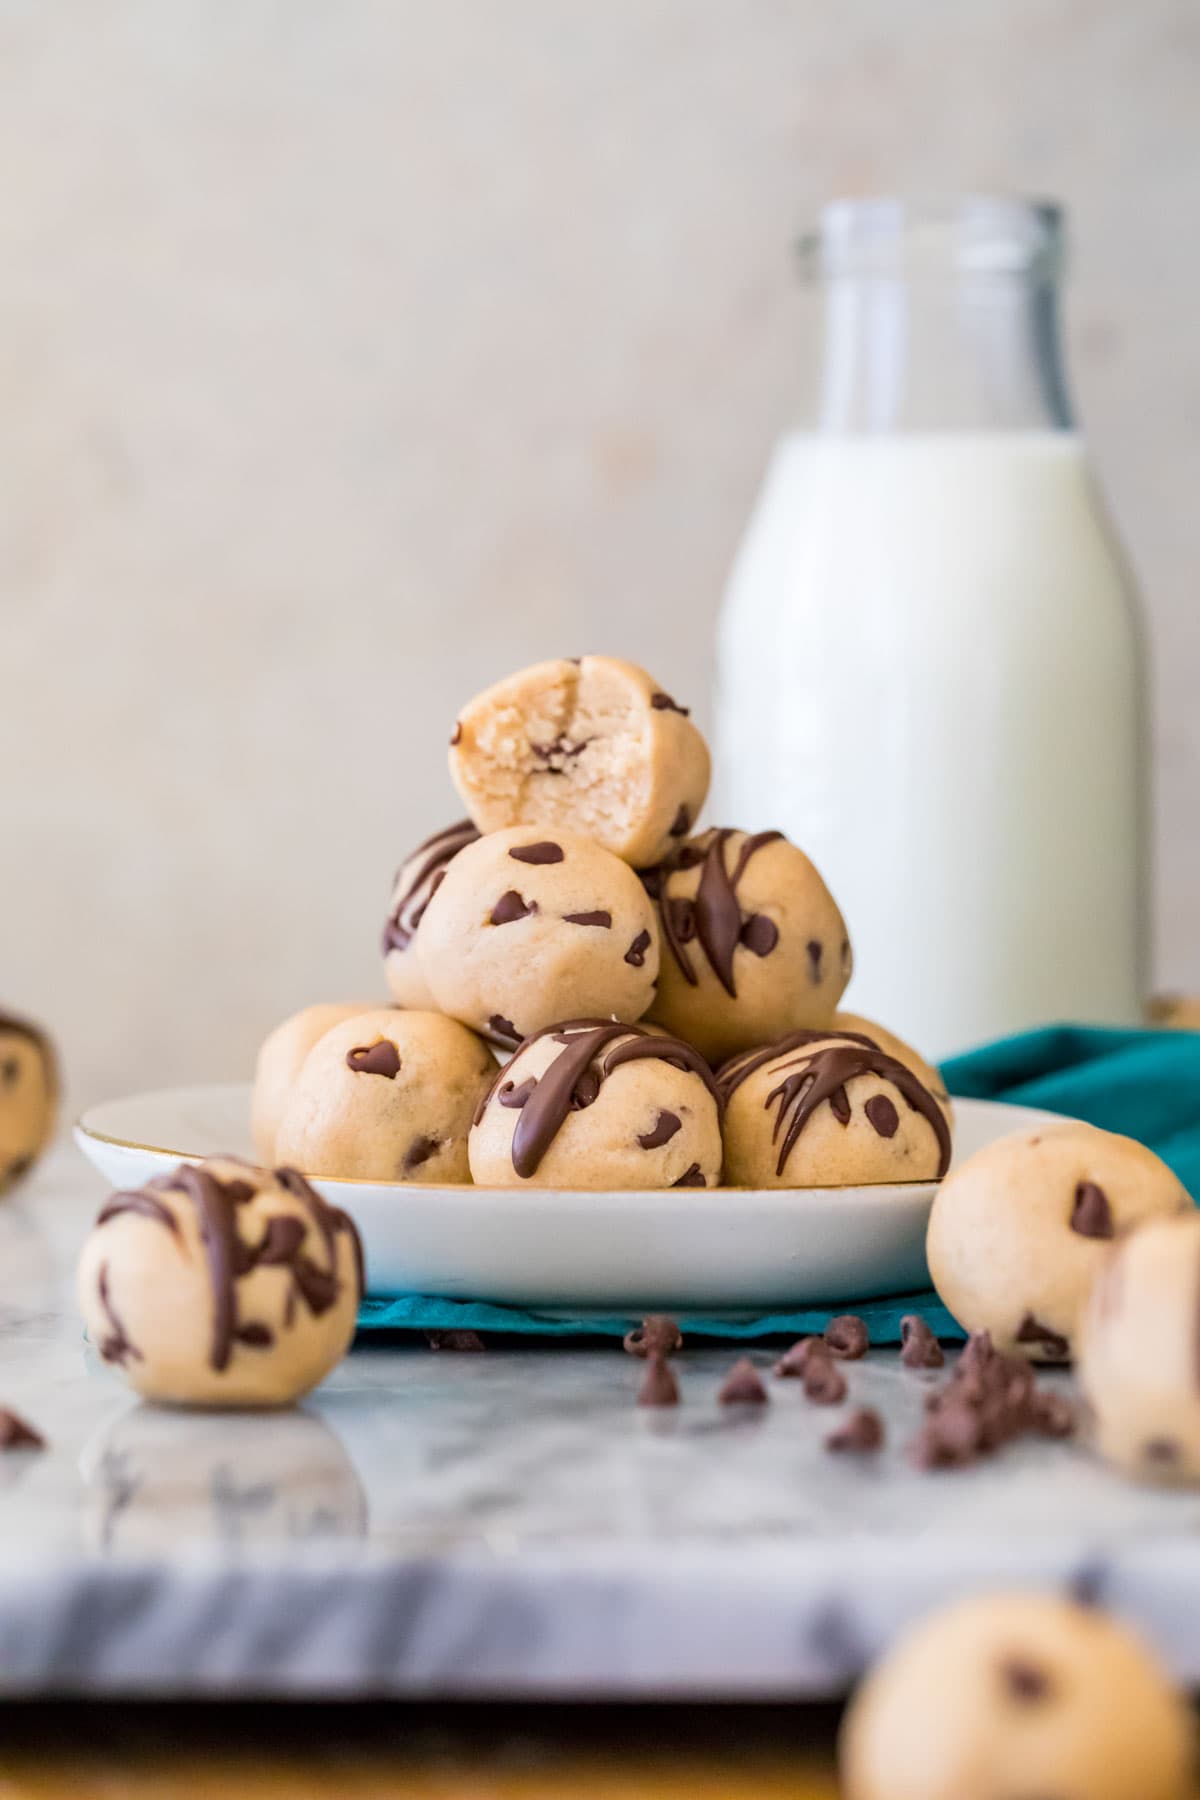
282	1057
1137	1352
1019	1231
528	929
753	944
588	744
386	1096
221	1285
417	881
597	1104
28	1097
1017	1694
817	1111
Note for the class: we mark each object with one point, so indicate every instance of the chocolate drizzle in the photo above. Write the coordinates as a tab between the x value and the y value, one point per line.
636	953
575	1077
117	1347
820	1072
432	859
601	920
141	1201
714	918
663	703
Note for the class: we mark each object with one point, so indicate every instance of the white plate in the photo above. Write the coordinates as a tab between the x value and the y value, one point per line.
725	1249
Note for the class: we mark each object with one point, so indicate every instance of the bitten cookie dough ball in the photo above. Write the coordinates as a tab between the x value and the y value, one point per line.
587	744
221	1285
527	929
817	1111
1007	1695
281	1059
386	1096
595	1104
1138	1361
1017	1234
753	945
28	1097
417	881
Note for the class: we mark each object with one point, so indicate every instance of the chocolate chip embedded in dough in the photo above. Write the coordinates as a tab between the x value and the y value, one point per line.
858	1434
660	1387
662	1131
456	734
692	1177
882	1115
602	921
419	1151
663	703
1031	1331
10	1068
919	1348
540	853
813	947
1160	1452
743	1386
382	1058
510	907
847	1337
759	934
1091	1214
682	823
1025	1680
657	1335
636	953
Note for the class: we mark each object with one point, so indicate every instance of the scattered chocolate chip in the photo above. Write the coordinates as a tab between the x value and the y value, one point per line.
1031	1331
503	1031
542	852
510	907
862	1431
17	1434
601	920
847	1337
1024	1680
682	823
814	961
1053	1415
657	1335
660	1387
792	1363
663	1130
455	1340
919	1349
692	1177
882	1115
382	1058
824	1383
742	1386
419	1151
1091	1215
456	734
664	703
515	1094
988	1400
759	934
636	953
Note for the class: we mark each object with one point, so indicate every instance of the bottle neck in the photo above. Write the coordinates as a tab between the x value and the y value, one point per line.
954	353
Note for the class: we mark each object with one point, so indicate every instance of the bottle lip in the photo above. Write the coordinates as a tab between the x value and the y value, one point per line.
973	235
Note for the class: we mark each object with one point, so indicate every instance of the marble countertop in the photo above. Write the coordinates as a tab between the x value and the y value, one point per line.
507	1523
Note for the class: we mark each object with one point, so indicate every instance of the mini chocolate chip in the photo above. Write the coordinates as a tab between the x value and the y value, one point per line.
255	1336
660	1387
515	1094
882	1115
419	1151
692	1177
510	907
10	1068
468	1341
503	1030
824	1383
847	1337
17	1433
657	1335
794	1361
1024	1680
742	1386
601	920
541	852
814	960
861	1432
759	934
382	1058
682	823
664	703
636	953
1030	1331
663	1130
919	1348
1053	1415
456	735
1091	1214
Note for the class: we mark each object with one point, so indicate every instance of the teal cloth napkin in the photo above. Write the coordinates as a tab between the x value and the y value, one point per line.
1145	1084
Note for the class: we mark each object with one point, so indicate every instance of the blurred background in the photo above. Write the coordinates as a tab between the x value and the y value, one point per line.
355	352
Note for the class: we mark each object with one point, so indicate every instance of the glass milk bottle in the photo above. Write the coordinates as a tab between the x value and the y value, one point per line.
928	664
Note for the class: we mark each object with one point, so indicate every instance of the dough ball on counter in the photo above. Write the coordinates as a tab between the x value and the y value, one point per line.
1018	1232
588	744
417	880
596	1104
1007	1695
221	1285
28	1097
281	1059
753	945
813	1110
848	1024
386	1096
1138	1363
528	928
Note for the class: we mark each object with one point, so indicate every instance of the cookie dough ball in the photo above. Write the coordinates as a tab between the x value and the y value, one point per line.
854	1025
221	1285
281	1059
527	929
1018	1232
28	1097
596	1104
753	945
387	1096
1006	1695
1137	1352
417	880
817	1111
587	744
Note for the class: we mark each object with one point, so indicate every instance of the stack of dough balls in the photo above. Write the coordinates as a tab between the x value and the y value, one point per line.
668	995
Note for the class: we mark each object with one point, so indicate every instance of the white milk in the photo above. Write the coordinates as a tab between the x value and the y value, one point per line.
929	677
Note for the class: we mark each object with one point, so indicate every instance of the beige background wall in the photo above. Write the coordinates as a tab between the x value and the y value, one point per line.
352	353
